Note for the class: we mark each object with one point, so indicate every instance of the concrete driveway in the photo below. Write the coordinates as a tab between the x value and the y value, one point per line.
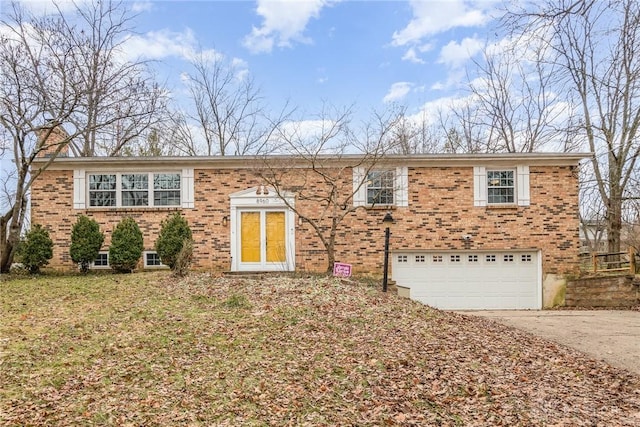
609	335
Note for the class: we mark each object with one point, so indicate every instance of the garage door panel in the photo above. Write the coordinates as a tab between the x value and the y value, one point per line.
459	280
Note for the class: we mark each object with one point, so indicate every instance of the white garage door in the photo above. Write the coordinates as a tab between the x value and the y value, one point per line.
471	280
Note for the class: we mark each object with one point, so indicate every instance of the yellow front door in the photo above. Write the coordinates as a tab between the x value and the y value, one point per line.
250	236
276	251
262	237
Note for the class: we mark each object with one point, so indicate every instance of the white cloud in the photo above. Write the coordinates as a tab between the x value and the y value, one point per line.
162	44
309	134
45	7
397	91
433	17
239	63
455	54
142	6
431	111
283	22
412	53
412	56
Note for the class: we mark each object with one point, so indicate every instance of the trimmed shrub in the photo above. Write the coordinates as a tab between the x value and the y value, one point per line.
36	249
174	232
126	246
86	241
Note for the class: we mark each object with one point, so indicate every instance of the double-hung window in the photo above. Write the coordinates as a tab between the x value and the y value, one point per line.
135	189
166	189
380	187
102	190
501	187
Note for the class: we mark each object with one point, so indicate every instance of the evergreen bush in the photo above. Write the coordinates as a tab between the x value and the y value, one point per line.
86	241
126	246
36	249
174	232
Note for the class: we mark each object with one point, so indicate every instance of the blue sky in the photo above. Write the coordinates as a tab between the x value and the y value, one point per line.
367	53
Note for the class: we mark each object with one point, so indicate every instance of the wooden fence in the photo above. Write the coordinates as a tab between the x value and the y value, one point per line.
611	262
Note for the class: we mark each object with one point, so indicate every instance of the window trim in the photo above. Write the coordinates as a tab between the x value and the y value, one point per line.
522	196
400	190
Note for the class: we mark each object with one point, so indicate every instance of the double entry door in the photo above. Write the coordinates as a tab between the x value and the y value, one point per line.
263	240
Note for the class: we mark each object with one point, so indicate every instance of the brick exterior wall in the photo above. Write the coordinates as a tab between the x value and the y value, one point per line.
50	138
441	210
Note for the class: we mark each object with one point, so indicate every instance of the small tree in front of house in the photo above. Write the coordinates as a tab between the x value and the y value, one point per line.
327	181
174	233
36	249
86	241
126	246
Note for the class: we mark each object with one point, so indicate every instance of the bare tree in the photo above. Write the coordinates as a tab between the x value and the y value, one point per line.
592	212
321	174
45	85
154	143
38	91
513	98
122	96
178	133
415	134
595	46
463	135
227	108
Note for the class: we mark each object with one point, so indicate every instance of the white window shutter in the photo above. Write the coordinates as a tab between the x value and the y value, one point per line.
79	189
402	186
359	187
187	188
524	197
479	186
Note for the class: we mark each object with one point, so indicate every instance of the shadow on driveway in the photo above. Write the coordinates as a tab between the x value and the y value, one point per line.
609	335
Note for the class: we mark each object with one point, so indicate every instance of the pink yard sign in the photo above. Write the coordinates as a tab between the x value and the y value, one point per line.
341	269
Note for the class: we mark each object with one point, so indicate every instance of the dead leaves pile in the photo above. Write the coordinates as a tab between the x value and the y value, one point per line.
285	351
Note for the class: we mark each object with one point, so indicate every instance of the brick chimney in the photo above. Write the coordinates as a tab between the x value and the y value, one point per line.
49	138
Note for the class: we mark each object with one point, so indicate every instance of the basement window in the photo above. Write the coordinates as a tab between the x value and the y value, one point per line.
152	260
101	261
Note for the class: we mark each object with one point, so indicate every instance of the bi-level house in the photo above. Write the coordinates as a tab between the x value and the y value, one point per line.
469	231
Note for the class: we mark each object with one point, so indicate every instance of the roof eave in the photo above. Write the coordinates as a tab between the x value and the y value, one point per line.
236	162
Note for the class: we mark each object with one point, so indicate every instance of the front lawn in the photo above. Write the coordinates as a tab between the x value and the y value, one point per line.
149	349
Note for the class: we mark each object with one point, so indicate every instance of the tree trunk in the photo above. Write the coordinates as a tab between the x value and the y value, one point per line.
5	248
9	239
331	258
614	221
